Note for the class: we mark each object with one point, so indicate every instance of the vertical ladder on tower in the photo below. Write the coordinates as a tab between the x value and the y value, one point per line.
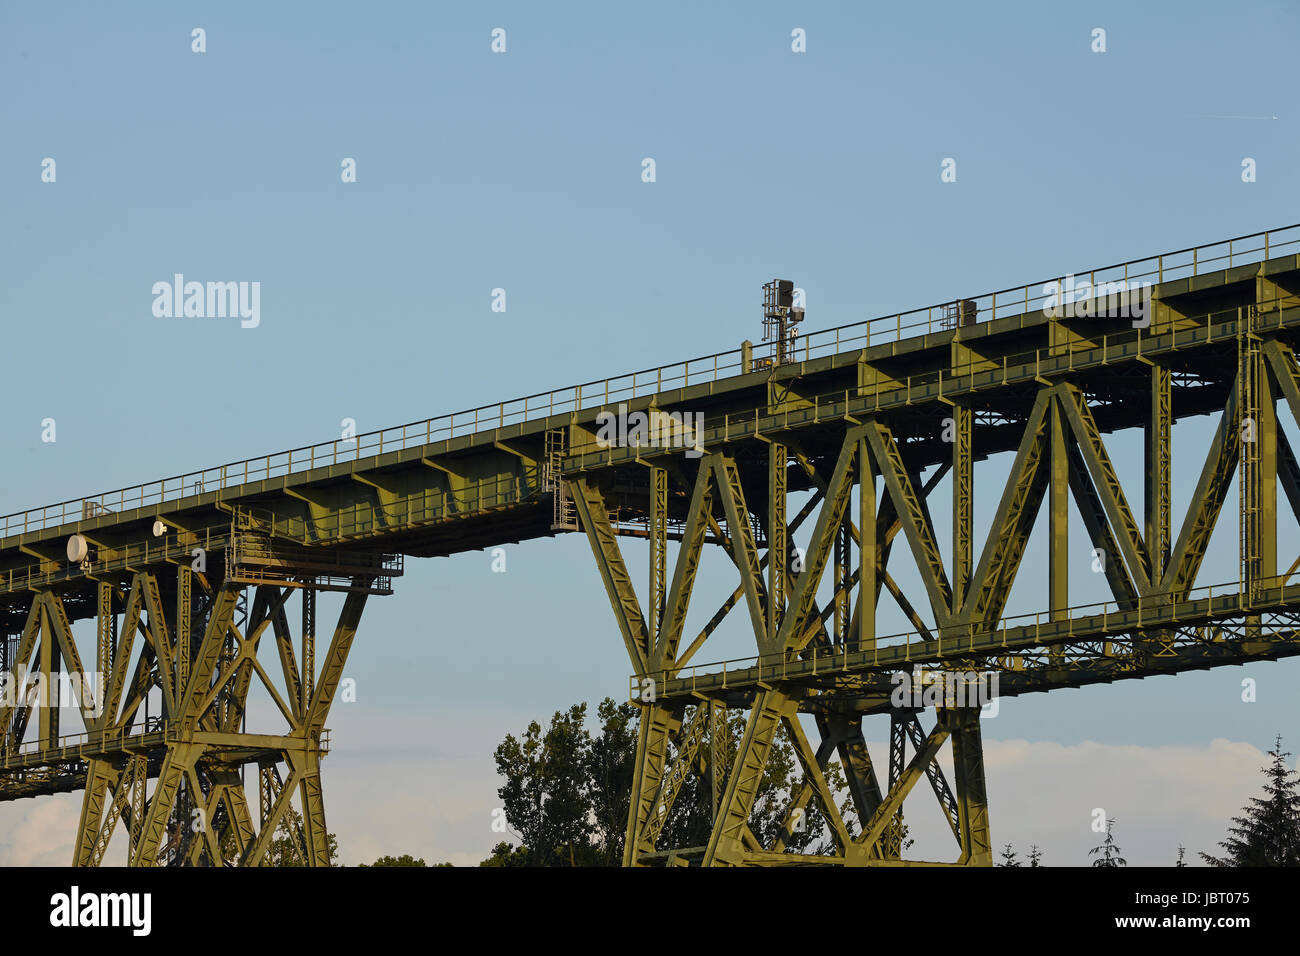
563	515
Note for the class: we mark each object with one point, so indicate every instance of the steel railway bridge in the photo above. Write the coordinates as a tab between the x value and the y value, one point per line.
198	585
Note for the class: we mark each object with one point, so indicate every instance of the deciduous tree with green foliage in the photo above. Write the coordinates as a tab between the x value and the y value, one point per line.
287	847
566	793
611	759
547	793
507	854
404	860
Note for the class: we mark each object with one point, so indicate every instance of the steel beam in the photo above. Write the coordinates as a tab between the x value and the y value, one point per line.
726	845
963	502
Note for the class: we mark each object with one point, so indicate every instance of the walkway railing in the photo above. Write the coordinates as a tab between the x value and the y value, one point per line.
961	640
605	392
977	373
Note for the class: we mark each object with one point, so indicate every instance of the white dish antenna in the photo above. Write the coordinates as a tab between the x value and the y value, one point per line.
77	549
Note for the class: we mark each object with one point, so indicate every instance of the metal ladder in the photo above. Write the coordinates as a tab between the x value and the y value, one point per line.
563	515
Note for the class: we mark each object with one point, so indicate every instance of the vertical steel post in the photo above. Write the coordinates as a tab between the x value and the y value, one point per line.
1159	470
841	577
184	609
972	798
308	646
898	721
48	702
104	631
1058	533
778	544
658	551
963	493
868	549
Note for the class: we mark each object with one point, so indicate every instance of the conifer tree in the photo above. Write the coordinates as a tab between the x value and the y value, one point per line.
1108	852
1268	831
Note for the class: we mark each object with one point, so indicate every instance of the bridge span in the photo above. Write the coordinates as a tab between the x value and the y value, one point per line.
189	580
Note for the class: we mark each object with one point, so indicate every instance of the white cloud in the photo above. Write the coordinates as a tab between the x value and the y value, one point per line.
1045	793
40	831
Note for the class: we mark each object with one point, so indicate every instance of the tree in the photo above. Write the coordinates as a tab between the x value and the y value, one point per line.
611	760
566	793
807	831
506	854
404	860
1035	855
288	846
1268	831
1182	851
547	793
1009	857
1109	851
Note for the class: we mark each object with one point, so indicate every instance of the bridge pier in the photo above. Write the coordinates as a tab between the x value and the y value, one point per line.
830	663
202	661
680	736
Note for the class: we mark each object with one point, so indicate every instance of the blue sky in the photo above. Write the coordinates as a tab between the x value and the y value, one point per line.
521	171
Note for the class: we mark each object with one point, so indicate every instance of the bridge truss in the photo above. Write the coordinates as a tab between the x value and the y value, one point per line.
862	452
195	635
191	583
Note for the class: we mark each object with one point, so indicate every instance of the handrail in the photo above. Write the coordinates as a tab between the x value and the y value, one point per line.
980	372
481	495
599	393
908	640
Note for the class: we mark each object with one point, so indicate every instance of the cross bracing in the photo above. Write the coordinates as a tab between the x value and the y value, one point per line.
844	445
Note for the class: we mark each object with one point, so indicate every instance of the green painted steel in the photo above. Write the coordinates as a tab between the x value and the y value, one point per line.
190	579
